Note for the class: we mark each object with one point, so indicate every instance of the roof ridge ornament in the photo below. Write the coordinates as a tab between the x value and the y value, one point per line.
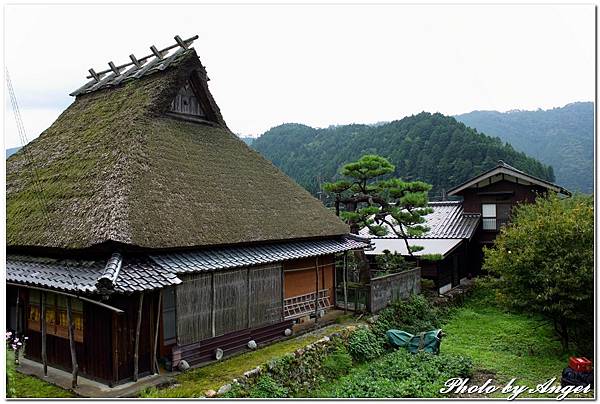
159	54
107	282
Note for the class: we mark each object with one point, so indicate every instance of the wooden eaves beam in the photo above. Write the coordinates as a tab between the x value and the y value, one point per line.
106	306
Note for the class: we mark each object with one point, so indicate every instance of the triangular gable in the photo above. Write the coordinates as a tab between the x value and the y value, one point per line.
505	172
186	102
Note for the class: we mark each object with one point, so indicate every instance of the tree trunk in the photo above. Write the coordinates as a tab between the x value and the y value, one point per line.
74	366
364	270
564	335
345	282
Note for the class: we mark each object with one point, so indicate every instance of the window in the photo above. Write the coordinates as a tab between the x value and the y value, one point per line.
169	313
488	214
56	315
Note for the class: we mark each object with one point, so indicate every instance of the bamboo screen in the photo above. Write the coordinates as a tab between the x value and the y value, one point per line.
241	298
194	302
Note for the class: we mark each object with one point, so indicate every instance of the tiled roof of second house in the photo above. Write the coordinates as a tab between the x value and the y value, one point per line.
447	221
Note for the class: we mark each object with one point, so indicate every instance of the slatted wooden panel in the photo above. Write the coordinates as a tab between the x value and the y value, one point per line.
231	310
194	304
185	102
265	295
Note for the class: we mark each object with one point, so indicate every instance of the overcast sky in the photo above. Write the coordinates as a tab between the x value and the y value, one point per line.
318	65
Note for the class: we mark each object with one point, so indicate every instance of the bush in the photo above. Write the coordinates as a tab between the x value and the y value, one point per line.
545	262
413	315
364	345
401	374
337	364
267	387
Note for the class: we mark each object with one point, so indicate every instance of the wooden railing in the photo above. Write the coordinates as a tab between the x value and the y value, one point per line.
302	305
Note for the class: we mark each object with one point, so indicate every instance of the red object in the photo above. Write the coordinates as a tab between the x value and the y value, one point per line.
580	364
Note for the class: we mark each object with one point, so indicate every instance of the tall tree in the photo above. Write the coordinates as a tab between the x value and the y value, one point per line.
545	261
381	205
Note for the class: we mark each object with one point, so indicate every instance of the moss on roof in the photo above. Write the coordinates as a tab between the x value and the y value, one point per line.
114	167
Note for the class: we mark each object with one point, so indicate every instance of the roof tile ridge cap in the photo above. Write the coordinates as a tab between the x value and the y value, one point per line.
107	281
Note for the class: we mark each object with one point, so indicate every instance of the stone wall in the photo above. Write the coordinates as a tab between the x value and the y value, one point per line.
388	288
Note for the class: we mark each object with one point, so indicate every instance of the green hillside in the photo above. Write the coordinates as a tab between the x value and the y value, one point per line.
428	147
562	137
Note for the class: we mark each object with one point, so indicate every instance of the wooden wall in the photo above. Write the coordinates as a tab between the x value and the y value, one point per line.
300	276
222	302
102	355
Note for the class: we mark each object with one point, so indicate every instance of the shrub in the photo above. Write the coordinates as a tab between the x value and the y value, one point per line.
413	315
267	387
401	374
545	262
337	364
364	345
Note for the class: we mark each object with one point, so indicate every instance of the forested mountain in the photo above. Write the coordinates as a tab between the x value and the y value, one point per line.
562	137
430	147
248	140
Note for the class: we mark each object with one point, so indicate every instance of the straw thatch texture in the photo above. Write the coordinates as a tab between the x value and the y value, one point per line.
114	167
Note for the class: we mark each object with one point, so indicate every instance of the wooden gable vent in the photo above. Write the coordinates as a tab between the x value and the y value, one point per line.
186	103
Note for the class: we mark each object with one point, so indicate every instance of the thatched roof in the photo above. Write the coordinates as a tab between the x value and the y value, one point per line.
114	167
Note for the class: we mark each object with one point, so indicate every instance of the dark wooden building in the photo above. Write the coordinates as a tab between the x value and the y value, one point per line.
494	193
141	230
459	229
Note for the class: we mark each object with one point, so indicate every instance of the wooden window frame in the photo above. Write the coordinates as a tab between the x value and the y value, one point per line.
55	314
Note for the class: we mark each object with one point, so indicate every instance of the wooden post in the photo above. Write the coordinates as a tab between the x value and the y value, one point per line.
74	366
115	347
248	297
282	293
345	275
212	305
155	348
317	289
17	328
137	339
43	327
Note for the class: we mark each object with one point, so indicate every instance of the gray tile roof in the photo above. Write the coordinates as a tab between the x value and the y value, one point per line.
231	257
447	221
83	276
159	270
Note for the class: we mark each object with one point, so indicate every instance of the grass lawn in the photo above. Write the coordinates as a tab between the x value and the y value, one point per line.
504	345
195	382
32	387
24	386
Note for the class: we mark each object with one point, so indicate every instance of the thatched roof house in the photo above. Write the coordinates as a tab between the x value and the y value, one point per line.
140	189
120	166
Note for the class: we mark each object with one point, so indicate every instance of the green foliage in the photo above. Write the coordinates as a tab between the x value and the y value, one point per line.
432	257
337	364
364	345
391	263
24	386
400	374
428	147
266	387
413	315
545	261
562	137
379	205
11	390
503	344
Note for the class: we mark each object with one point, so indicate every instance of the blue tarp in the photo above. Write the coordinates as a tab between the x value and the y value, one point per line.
425	341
